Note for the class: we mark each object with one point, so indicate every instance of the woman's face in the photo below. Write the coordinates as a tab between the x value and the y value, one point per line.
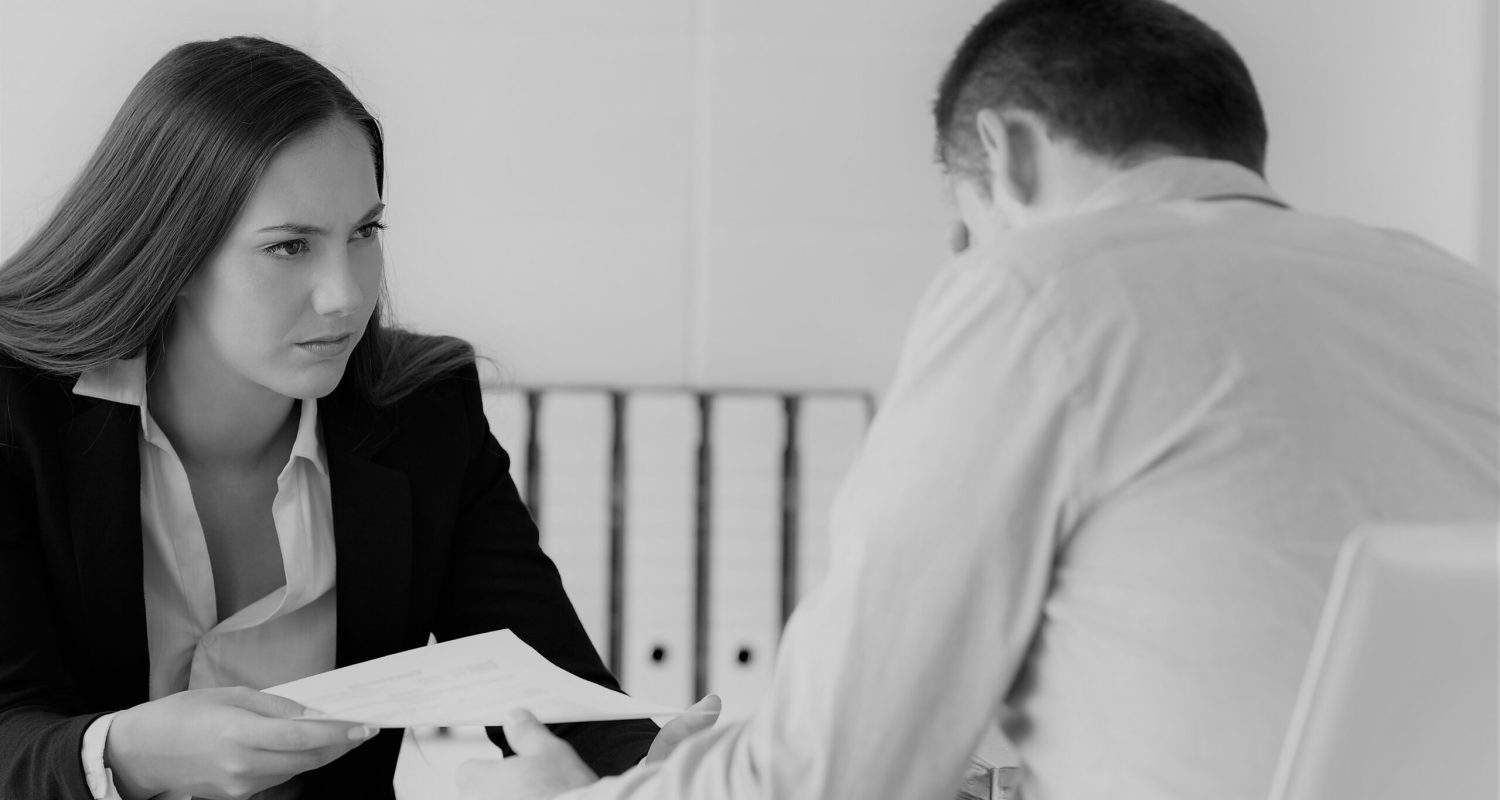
286	296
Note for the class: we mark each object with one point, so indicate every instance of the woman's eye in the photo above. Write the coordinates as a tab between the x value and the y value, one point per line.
287	249
368	231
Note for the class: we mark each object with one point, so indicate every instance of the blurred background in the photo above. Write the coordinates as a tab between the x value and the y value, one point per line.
731	192
694	195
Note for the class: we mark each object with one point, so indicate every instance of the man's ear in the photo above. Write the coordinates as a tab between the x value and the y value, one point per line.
1011	143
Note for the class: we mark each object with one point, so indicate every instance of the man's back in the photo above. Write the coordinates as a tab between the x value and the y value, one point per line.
1248	384
1128	431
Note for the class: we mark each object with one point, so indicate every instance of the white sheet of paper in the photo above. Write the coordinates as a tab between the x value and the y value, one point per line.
476	680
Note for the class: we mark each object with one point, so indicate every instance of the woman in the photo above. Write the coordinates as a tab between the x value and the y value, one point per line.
220	468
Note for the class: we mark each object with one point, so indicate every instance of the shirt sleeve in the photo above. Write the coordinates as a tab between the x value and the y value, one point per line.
100	778
943	539
43	714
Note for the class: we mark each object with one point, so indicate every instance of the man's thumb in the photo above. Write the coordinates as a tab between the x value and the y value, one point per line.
525	734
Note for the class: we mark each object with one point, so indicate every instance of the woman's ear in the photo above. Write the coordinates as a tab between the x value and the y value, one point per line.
1011	150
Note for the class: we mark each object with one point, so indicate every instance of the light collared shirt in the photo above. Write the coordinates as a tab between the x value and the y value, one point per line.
288	634
1103	497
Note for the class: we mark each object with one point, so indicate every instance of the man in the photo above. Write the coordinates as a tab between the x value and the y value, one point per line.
1132	424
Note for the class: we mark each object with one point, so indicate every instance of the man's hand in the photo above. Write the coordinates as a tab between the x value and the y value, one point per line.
682	727
543	767
220	743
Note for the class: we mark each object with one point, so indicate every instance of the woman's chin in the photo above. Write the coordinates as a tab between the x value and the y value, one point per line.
313	383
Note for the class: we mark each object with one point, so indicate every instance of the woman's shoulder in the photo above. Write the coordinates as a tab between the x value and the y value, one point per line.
426	399
19	379
418	364
407	372
31	399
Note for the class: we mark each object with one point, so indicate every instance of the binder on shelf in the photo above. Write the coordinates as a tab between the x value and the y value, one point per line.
660	477
831	430
510	420
747	437
575	432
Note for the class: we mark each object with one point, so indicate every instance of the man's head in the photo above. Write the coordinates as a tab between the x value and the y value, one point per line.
1115	82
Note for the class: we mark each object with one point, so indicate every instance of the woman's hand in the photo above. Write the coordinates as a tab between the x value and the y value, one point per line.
220	743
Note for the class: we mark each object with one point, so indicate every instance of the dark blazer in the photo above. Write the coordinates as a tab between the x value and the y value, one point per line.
430	533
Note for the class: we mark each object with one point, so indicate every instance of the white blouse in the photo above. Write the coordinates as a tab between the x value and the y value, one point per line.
285	635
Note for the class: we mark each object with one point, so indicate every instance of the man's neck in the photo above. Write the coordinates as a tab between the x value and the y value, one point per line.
1072	177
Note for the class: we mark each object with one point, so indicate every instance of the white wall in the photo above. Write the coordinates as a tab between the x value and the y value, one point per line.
729	191
1489	207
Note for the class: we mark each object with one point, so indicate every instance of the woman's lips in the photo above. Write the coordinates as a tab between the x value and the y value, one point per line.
328	346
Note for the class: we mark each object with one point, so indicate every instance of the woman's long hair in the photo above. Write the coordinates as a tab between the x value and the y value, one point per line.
98	280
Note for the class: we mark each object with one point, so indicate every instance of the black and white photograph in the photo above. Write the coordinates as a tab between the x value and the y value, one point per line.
750	400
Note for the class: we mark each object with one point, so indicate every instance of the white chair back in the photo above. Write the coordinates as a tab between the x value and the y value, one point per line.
1401	698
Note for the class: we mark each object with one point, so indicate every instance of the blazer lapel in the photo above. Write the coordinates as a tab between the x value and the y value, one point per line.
104	514
371	530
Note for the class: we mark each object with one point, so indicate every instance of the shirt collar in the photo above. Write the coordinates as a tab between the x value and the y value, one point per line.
306	444
1171	178
124	381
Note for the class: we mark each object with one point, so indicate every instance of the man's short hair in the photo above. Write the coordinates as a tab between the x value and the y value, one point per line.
1124	79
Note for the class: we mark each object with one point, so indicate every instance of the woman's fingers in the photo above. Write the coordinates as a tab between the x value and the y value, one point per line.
290	736
270	725
295	762
221	742
266	705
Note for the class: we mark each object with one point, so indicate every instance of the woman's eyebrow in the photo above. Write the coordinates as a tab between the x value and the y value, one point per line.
302	229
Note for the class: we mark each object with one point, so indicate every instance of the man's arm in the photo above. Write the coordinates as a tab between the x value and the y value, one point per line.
943	538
